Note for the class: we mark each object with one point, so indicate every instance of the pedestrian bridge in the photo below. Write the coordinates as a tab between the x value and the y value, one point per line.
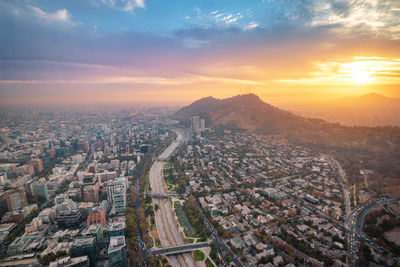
179	248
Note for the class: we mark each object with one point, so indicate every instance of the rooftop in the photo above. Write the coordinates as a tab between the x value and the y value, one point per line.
83	241
68	261
116	243
115	226
7	227
92	230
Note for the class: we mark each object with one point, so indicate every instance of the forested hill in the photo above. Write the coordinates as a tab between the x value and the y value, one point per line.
375	148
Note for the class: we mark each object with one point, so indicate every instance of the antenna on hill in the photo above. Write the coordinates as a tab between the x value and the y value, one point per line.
211	91
240	91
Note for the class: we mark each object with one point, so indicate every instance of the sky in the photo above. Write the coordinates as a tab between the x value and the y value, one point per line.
174	52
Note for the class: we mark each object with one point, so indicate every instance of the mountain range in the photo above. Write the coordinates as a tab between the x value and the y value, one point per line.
367	110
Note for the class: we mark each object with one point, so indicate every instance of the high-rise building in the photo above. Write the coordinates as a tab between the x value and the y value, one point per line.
40	189
202	125
197	125
37	165
91	193
85	246
117	229
117	252
16	199
96	231
116	194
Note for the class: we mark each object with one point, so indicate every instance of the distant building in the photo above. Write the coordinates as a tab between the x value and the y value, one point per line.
85	247
86	178
28	186
13	217
82	261
197	125
105	176
92	168
16	199
115	163
34	225
96	231
97	216
85	208
83	146
91	193
68	218
59	199
116	194
3	178
144	148
202	124
311	199
24	244
40	189
117	229
37	165
5	229
47	216
3	243
117	252
76	159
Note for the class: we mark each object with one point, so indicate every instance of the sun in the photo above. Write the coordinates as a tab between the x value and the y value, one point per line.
360	77
357	72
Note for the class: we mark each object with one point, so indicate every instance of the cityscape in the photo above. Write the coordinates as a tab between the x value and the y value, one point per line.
199	133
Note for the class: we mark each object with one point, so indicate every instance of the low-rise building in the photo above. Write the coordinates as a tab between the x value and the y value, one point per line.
82	261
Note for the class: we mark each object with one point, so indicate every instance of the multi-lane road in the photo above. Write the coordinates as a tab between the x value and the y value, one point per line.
167	226
355	221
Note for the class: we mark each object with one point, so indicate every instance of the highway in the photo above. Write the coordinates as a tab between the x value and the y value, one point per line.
167	226
356	221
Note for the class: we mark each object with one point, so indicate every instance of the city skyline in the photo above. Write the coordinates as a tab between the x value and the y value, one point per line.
137	51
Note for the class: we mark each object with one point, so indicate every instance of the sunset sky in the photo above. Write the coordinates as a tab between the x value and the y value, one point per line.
174	52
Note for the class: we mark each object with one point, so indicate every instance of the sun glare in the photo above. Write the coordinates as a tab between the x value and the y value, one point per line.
360	77
358	72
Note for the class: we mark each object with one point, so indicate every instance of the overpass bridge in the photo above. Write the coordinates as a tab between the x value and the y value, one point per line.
179	248
164	195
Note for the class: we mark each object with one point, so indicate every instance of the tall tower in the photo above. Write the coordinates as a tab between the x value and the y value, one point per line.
195	124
